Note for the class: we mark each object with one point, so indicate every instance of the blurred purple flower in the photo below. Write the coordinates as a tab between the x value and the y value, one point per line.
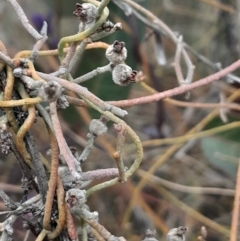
37	19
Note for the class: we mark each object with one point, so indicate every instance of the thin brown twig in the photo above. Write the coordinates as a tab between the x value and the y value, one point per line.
84	93
52	183
100	229
236	209
181	89
71	228
63	147
188	189
20	144
61	211
97	235
8	97
121	131
190	211
231	106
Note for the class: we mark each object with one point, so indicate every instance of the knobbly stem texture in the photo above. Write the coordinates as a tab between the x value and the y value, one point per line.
63	147
52	183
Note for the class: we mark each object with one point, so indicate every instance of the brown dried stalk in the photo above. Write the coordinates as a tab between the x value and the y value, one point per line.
100	229
236	209
8	96
71	229
61	211
64	149
181	89
20	144
52	183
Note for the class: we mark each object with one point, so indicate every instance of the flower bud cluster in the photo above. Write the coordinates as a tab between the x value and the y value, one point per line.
122	74
116	53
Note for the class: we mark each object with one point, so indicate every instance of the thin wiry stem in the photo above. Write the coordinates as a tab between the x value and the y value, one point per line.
61	211
52	183
188	189
101	229
97	174
42	53
93	73
42	235
167	31
28	122
118	154
8	96
64	149
84	93
168	153
71	228
3	53
190	211
37	166
236	209
79	52
101	6
40	42
90	142
20	144
7	60
231	106
23	18
181	89
14	103
187	137
46	117
135	139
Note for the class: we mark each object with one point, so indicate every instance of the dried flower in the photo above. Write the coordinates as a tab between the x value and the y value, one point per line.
116	53
86	12
50	91
150	235
97	127
123	75
177	234
75	197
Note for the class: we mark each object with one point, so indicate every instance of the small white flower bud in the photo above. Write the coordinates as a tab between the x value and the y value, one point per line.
75	197
176	234
86	12
123	75
97	127
150	235
50	91
116	53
